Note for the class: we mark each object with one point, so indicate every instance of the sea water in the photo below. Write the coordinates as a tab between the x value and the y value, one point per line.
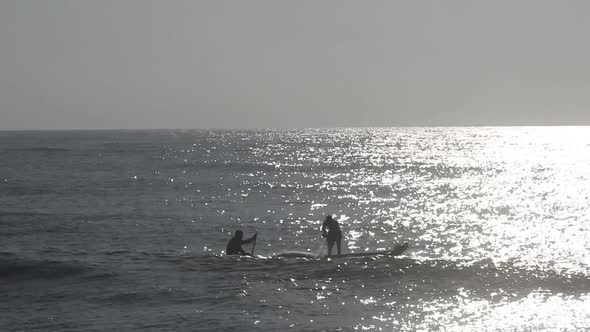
126	230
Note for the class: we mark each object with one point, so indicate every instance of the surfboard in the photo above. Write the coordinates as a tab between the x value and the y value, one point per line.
396	251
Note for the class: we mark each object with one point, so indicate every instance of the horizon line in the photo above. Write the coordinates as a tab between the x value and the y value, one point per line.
287	128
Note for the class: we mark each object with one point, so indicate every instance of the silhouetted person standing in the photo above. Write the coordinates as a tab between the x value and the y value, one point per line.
334	234
234	246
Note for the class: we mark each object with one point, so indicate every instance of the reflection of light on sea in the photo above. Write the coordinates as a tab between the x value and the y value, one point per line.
353	236
536	312
516	198
550	199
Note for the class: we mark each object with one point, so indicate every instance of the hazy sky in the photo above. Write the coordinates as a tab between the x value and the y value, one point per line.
320	63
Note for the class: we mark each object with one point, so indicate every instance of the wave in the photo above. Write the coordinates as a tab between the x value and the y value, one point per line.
16	217
429	276
27	189
39	149
22	214
252	166
145	295
14	268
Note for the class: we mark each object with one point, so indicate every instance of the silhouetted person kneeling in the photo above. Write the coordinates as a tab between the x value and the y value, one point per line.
334	234
234	246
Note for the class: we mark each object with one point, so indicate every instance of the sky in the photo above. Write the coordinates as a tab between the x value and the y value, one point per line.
82	64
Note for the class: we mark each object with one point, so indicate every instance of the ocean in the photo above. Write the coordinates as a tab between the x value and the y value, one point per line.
126	230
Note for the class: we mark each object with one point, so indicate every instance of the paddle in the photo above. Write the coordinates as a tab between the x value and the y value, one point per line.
254	244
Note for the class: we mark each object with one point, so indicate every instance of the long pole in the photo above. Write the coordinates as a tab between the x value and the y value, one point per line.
254	244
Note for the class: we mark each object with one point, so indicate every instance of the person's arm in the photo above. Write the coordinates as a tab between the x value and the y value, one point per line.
250	239
324	234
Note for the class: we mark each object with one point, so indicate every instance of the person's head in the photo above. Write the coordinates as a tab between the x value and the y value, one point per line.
329	217
239	234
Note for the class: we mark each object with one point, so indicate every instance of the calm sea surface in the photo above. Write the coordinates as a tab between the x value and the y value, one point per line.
125	230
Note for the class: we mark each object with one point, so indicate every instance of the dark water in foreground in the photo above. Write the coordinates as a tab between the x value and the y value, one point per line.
124	230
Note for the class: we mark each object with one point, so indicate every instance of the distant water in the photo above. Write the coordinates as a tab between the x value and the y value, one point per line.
125	230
